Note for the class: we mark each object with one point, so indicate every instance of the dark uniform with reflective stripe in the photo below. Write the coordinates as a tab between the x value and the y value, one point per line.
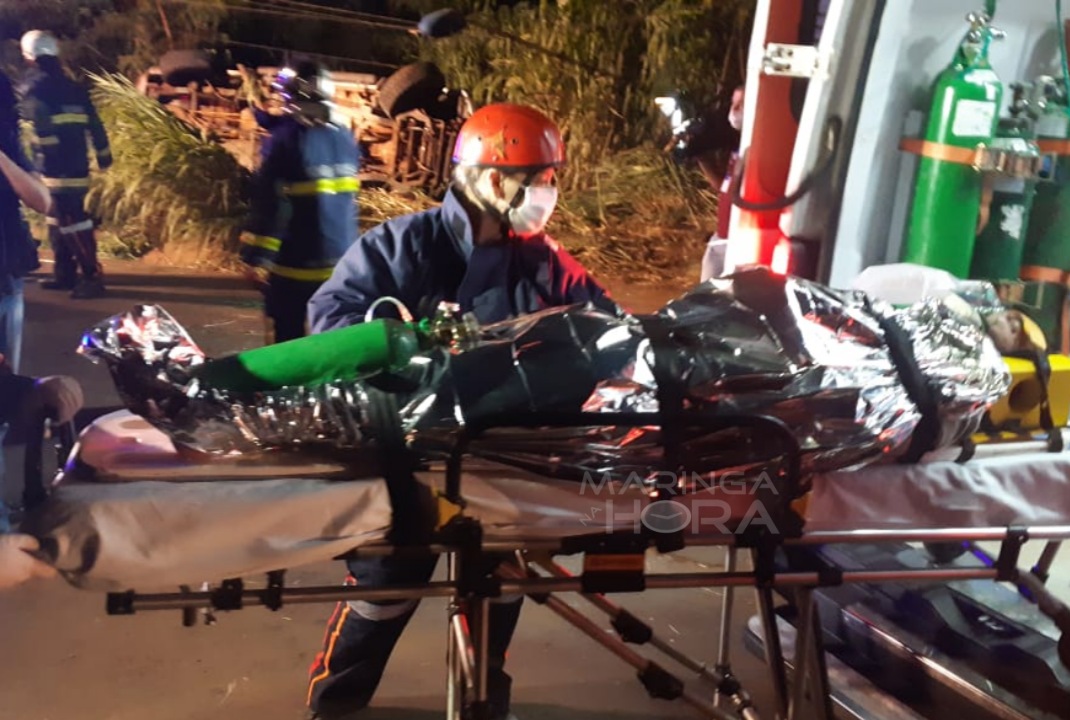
304	216
64	121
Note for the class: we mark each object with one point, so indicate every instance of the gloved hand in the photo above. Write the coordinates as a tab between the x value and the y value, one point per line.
17	565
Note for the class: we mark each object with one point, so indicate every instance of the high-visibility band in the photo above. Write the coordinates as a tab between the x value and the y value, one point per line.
76	228
940	151
307	274
323	187
70	119
106	152
66	182
1037	273
1054	147
261	241
48	141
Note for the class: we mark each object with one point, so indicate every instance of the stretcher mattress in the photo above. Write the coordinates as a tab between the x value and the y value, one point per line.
148	527
1003	486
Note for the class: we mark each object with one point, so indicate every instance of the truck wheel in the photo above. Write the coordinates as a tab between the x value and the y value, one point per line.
181	67
413	87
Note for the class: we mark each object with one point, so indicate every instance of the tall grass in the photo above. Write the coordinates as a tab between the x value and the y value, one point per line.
169	184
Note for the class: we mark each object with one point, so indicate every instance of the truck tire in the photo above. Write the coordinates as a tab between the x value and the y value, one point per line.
413	87
181	67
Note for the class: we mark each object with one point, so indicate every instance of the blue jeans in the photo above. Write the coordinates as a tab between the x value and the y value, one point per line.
12	310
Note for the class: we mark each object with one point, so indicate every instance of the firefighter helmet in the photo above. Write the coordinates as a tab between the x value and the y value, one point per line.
509	137
37	43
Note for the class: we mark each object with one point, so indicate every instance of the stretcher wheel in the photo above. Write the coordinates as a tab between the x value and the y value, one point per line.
413	87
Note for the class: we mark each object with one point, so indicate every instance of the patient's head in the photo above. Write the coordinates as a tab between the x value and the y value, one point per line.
1013	331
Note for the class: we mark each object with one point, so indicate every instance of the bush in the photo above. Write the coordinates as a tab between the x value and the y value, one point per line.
169	184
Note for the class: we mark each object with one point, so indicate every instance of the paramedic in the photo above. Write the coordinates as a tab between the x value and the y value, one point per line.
484	248
18	251
62	115
713	260
303	206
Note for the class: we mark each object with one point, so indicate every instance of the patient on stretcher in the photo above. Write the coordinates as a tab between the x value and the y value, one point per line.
854	379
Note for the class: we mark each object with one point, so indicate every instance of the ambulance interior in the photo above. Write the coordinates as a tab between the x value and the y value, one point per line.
876	62
833	89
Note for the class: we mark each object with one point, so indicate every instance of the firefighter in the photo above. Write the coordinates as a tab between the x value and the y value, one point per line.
484	248
304	207
62	116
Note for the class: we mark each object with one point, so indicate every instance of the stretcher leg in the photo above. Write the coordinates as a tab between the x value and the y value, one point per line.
774	653
1043	567
478	611
659	683
811	698
724	667
633	630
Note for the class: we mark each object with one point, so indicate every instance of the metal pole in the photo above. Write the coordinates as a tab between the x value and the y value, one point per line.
479	617
724	641
454	669
803	602
615	611
774	653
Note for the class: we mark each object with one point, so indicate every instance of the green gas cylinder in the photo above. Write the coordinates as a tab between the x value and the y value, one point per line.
963	116
1047	247
348	353
999	246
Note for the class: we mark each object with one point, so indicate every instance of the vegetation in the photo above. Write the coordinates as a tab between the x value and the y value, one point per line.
168	185
627	209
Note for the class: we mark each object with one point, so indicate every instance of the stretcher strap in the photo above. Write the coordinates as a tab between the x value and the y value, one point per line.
672	397
918	389
410	522
671	393
1039	358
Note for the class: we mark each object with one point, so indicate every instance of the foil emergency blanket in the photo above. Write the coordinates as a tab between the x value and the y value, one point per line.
753	343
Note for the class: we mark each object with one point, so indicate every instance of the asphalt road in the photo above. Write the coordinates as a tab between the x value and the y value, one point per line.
62	657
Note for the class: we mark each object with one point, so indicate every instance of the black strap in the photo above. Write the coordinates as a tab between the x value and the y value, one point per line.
672	397
1040	361
901	350
410	523
671	392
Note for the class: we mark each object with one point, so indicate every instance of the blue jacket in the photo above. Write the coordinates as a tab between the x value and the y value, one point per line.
18	251
304	201
64	121
429	257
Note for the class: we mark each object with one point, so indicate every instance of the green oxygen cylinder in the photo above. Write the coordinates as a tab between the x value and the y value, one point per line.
348	353
964	112
1047	248
1000	245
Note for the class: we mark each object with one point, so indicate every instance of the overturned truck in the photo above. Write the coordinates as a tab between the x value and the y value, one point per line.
405	123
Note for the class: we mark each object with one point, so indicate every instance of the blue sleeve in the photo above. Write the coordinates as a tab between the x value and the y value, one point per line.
381	263
574	284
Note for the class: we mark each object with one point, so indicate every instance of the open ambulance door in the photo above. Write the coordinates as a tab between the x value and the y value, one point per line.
833	87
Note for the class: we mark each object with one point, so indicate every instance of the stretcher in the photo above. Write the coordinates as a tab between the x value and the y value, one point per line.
144	527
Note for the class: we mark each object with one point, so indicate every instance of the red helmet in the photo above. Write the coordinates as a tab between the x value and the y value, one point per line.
511	137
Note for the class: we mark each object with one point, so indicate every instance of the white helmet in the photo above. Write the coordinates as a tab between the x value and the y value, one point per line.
36	43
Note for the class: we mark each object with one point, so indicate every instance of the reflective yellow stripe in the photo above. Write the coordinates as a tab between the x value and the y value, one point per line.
70	119
261	241
48	141
106	152
323	187
310	274
66	182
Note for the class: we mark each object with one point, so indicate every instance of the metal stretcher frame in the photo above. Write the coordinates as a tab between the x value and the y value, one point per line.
614	563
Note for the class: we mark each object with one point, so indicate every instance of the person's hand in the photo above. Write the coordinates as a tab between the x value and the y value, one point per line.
61	397
17	565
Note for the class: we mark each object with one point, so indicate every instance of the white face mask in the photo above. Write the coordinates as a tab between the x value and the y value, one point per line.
735	119
534	212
